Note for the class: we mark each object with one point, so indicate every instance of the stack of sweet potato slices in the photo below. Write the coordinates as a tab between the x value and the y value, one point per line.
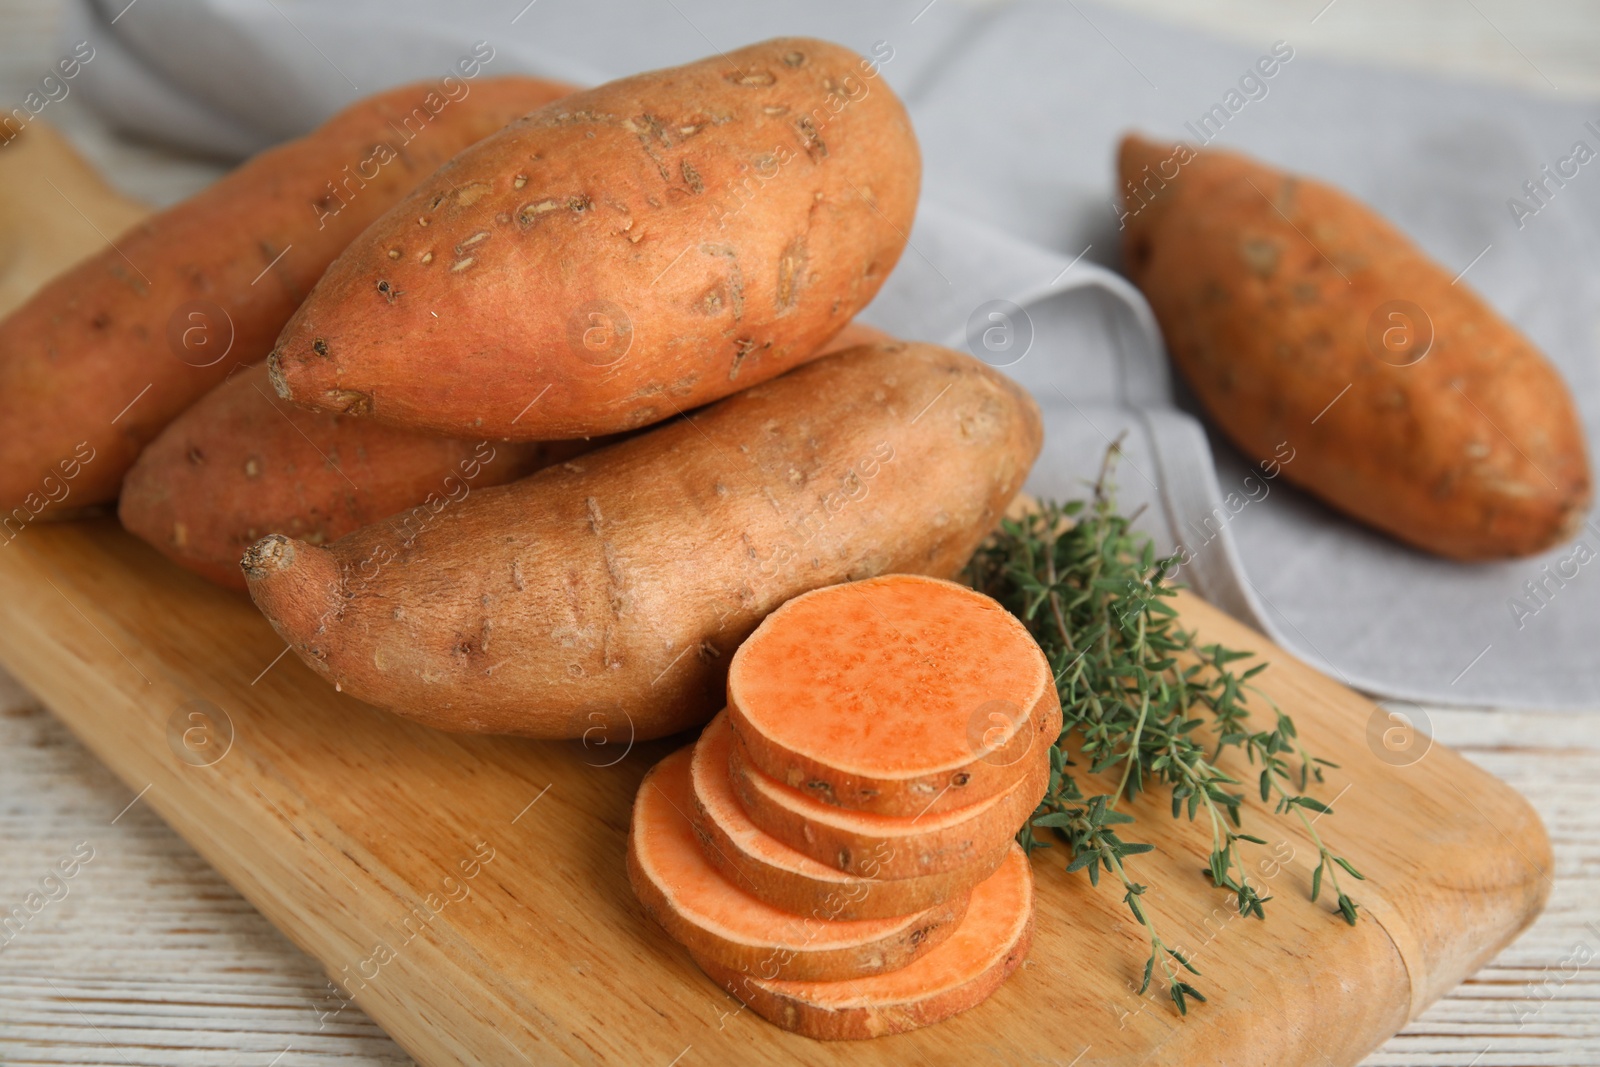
837	848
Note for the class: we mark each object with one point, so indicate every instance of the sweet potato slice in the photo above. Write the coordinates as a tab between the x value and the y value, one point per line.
1321	340
242	464
789	879
901	695
720	922
886	846
992	941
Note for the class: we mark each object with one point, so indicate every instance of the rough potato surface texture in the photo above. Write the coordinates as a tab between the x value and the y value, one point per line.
112	350
625	255
242	464
1311	328
605	596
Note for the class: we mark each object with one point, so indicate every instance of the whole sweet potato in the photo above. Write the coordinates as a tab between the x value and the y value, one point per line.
1302	319
111	351
242	463
40	166
605	596
620	256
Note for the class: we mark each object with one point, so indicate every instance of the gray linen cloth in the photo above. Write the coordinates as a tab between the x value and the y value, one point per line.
1019	107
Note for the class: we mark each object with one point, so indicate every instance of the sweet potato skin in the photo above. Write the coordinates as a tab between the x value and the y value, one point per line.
76	360
37	245
242	463
777	1005
858	1015
623	255
793	948
875	851
791	886
607	594
1271	292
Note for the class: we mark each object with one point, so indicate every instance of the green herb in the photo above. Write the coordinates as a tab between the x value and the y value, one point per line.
1144	701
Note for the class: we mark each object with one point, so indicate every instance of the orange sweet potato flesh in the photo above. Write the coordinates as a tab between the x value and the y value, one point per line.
607	594
902	695
991	942
789	879
623	255
1300	318
887	846
76	360
717	920
242	464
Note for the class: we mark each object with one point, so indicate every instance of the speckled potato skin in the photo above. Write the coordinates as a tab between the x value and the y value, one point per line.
1265	284
242	463
622	256
76	359
605	596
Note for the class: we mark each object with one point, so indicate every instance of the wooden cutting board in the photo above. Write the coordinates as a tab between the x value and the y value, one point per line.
471	890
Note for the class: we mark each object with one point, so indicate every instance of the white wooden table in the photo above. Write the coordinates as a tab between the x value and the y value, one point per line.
150	958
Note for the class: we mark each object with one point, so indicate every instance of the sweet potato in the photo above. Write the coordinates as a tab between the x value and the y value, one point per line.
902	695
620	256
992	941
56	211
788	879
242	463
717	920
1310	327
854	335
607	594
111	351
869	845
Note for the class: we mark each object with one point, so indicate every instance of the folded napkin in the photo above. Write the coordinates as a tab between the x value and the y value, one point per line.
1019	107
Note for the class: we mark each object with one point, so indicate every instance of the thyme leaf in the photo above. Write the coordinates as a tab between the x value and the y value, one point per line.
1145	701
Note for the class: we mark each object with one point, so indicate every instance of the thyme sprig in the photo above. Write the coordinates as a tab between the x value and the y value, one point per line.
1143	700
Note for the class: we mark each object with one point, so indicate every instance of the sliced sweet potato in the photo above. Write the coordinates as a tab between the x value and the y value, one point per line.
789	879
718	921
242	464
901	694
99	360
992	941
1311	328
609	592
870	845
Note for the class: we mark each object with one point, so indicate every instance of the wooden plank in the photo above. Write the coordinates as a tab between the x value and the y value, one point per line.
477	883
150	925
